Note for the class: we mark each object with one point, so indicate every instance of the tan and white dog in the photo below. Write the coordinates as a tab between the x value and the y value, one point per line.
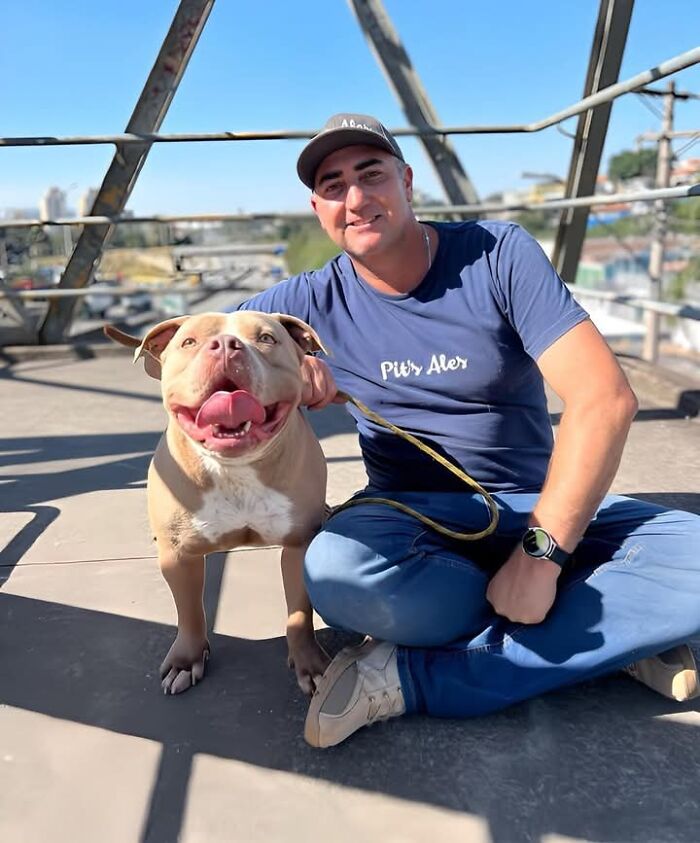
237	465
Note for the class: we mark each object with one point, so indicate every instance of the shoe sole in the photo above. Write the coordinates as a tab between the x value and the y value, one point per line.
341	662
677	682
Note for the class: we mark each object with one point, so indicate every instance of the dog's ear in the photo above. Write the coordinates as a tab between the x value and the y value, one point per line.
154	344
303	335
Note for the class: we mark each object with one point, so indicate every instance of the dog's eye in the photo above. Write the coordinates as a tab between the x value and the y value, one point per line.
188	341
267	338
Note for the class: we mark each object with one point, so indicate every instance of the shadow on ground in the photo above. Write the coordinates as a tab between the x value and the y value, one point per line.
594	763
598	762
108	461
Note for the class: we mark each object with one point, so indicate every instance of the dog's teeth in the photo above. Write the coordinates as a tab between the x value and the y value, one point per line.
246	426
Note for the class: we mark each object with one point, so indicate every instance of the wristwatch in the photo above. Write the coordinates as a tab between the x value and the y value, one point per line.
539	543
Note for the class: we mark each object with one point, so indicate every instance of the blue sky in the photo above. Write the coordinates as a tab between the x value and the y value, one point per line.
77	67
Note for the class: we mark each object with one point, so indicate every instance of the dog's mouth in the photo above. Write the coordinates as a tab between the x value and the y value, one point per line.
232	420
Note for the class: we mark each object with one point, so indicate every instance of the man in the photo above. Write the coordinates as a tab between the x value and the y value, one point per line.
447	330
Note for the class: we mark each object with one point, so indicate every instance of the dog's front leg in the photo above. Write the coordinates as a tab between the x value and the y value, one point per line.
306	656
184	664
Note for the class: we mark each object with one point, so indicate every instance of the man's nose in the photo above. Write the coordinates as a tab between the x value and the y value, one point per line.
355	196
225	343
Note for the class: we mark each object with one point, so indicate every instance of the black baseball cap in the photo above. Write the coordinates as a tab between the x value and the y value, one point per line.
339	131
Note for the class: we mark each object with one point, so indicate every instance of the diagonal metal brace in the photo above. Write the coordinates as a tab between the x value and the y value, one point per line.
404	80
148	115
608	46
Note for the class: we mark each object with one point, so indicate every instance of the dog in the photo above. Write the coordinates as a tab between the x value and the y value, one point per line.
237	465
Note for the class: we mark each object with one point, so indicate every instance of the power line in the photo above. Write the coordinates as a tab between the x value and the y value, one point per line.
689	145
648	104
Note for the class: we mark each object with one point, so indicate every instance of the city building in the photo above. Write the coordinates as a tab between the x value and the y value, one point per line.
52	204
86	202
686	172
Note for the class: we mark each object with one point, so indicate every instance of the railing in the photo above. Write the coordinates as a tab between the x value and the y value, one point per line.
605	95
681	310
680	192
666	68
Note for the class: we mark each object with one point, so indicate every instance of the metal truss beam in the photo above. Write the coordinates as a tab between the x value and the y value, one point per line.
403	79
603	70
148	115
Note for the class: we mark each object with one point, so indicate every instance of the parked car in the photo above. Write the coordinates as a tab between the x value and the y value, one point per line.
100	299
136	302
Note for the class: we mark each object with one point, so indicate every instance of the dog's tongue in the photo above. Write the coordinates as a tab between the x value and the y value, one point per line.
230	409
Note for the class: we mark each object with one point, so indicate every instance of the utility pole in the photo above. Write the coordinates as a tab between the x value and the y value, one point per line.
652	319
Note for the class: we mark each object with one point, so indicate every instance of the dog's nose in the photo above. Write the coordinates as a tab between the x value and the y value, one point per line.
224	342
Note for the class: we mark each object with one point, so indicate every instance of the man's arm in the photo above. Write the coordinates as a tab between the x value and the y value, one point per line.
598	410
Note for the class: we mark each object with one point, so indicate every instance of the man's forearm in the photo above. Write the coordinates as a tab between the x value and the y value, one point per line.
585	459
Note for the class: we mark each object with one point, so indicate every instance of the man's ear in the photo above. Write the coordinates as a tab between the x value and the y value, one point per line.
154	344
408	182
314	208
303	335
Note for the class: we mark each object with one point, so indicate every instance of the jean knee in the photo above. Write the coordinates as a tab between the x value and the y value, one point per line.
345	581
327	574
416	600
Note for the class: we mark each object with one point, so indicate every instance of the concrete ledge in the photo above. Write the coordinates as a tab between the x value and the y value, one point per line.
663	386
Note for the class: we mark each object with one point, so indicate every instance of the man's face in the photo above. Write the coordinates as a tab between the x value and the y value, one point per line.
362	199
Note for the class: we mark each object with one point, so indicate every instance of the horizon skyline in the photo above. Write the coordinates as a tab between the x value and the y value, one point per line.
252	177
534	179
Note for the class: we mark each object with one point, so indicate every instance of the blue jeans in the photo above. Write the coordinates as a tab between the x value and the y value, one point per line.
631	590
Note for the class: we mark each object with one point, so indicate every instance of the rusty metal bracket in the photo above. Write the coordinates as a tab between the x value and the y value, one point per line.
148	115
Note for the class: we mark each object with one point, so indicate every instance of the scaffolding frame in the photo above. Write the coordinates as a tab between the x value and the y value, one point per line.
132	146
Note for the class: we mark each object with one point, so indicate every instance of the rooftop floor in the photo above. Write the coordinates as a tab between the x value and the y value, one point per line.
90	749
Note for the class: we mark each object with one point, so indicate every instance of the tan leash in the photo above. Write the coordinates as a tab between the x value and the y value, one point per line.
463	476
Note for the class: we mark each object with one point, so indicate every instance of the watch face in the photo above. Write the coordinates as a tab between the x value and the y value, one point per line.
536	541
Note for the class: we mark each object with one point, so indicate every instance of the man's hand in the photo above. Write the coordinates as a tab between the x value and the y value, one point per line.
524	589
319	386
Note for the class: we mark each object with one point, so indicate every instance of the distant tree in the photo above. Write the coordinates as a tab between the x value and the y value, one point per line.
21	244
686	209
682	280
308	247
536	222
630	164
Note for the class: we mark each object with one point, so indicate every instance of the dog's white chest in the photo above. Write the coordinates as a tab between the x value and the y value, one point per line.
239	501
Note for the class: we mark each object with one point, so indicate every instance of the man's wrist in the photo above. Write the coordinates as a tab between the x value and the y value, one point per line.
567	534
539	543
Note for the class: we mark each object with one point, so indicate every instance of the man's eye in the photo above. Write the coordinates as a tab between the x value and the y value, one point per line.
267	338
333	189
188	341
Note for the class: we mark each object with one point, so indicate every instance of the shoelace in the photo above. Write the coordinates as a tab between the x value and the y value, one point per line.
385	707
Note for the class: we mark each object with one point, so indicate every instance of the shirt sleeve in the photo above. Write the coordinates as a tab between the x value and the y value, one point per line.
291	296
535	300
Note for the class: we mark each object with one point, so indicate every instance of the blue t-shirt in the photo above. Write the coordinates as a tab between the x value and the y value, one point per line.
452	362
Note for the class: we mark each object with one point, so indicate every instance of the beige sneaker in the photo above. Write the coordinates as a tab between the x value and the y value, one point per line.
360	686
673	673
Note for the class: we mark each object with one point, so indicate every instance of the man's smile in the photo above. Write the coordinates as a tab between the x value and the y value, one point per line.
362	223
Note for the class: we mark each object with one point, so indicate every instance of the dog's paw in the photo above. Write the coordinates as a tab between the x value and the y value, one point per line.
309	661
184	665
